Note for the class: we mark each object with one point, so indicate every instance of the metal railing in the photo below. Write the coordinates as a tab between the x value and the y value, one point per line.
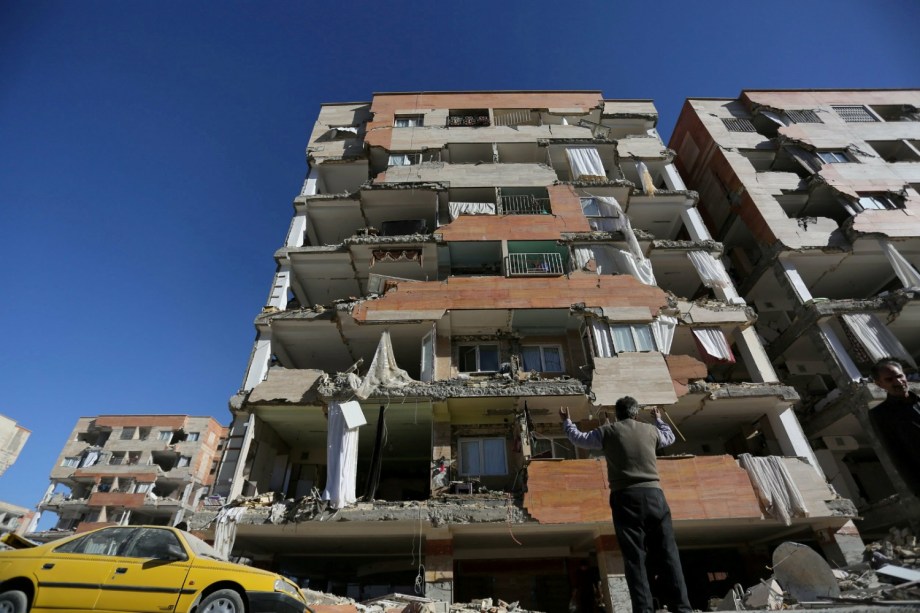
515	117
534	264
523	205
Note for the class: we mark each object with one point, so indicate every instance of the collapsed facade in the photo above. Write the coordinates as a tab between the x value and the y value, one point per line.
458	267
814	195
133	469
13	437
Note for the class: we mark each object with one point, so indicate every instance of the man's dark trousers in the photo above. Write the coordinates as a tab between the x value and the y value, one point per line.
642	520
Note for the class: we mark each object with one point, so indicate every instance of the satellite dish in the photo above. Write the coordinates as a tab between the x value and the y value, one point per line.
803	573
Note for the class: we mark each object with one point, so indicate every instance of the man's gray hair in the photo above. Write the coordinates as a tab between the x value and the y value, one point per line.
627	407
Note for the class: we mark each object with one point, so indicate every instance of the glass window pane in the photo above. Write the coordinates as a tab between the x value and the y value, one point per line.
468	359
644	339
552	358
590	208
622	338
469	458
531	358
488	357
493	452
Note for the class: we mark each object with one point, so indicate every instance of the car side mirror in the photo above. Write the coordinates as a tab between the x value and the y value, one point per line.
172	554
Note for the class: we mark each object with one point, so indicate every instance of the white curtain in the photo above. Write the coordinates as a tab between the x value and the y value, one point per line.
91	458
583	255
877	339
383	371
225	529
779	495
585	161
611	215
648	185
663	328
627	263
600	330
906	272
714	343
341	460
457	209
711	271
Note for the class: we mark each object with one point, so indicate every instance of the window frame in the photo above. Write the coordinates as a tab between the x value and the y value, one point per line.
193	437
884	202
418	118
124	431
554	442
847	112
802	116
480	441
413	159
478	347
835	156
168	435
71	462
541	347
632	331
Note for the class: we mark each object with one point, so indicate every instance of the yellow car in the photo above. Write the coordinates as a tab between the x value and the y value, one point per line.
139	569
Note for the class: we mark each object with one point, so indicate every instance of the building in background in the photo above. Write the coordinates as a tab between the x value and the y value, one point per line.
814	195
133	469
459	266
13	438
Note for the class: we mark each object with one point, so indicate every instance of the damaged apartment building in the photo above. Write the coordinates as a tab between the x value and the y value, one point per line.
133	469
458	267
814	197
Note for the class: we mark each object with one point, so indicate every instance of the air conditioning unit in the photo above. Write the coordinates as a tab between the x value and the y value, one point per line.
840	443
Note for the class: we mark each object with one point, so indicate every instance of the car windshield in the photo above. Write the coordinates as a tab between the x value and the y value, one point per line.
200	548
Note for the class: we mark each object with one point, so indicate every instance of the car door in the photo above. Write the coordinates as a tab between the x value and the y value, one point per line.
148	576
71	575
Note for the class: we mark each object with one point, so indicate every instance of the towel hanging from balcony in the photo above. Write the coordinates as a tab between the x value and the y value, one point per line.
585	163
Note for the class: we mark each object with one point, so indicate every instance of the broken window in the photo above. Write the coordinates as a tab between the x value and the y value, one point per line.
117	458
803	116
127	434
896	112
542	358
184	461
409	121
556	447
143	488
738	124
857	113
834	157
478	358
71	462
482	457
879	201
403	159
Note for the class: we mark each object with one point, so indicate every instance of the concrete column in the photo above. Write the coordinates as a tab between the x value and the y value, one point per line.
672	178
612	570
439	568
278	297
695	226
843	546
236	485
754	356
259	360
837	353
311	184
791	438
297	231
838	474
795	282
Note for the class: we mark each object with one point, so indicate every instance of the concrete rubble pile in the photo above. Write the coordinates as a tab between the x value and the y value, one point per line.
321	602
889	578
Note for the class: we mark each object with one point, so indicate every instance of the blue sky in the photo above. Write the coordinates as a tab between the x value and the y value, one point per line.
150	152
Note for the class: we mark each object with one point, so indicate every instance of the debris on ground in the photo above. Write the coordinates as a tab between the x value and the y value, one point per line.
403	603
889	577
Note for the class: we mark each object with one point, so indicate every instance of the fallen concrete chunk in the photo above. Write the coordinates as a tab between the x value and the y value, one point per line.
766	595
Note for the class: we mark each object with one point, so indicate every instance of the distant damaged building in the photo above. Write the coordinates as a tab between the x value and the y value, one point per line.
458	267
814	196
133	469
